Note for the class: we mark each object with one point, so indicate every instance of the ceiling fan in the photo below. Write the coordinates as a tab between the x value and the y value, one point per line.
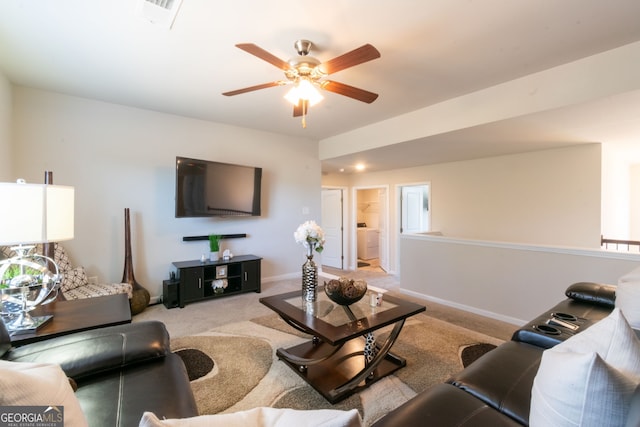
307	74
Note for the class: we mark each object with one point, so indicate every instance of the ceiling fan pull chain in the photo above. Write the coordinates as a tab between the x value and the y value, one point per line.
305	104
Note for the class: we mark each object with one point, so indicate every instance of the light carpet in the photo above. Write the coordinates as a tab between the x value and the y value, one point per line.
247	374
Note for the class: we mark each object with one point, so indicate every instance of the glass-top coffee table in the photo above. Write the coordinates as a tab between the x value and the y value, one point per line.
342	356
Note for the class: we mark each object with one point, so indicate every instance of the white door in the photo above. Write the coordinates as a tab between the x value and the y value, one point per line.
414	209
332	227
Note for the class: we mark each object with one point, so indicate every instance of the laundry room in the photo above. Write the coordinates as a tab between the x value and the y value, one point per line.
368	221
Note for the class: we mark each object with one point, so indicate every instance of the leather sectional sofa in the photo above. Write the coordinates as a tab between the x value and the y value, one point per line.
123	371
120	371
495	390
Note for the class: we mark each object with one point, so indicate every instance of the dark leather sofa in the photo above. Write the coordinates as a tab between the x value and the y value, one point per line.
495	390
120	371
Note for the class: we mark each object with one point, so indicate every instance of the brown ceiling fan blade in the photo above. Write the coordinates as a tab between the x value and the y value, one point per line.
264	55
252	88
299	110
357	56
350	91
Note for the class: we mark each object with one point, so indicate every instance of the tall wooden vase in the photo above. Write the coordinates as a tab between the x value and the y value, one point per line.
140	299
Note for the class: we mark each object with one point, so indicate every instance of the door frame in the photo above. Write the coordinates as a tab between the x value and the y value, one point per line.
353	224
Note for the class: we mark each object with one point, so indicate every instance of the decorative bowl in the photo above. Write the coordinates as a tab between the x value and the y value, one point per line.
345	291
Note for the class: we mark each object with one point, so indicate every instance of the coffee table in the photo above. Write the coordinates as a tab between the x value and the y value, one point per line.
77	315
342	356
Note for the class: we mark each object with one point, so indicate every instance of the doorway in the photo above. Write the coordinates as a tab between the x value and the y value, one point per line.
371	235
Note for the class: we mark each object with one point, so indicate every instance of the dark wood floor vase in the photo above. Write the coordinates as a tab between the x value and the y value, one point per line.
140	297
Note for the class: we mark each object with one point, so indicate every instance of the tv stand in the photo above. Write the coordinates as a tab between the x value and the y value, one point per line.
195	278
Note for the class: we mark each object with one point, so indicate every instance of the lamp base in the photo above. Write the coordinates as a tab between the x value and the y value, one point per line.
18	325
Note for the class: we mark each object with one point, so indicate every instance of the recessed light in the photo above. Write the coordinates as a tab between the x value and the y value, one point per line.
360	167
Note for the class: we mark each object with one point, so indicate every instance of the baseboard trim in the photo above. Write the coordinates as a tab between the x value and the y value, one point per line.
470	309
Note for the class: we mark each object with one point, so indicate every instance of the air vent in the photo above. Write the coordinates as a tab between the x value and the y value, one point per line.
167	4
159	12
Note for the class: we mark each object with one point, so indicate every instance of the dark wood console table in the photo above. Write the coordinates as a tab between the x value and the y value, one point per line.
77	315
195	279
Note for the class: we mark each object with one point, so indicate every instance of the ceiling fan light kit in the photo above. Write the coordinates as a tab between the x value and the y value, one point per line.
304	90
307	74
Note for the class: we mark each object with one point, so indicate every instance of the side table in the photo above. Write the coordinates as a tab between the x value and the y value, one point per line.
77	315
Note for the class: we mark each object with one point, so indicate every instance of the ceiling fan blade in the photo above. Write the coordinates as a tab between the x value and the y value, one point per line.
252	88
301	109
350	91
264	55
357	56
297	110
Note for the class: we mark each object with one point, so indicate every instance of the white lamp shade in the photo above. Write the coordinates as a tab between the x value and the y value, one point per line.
35	213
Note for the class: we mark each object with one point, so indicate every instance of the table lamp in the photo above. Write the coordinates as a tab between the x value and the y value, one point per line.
31	214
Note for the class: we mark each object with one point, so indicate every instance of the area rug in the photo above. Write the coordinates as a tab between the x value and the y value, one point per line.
234	367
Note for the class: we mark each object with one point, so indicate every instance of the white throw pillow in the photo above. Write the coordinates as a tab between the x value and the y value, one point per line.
633	418
589	379
263	417
632	276
628	300
579	389
628	297
39	384
613	339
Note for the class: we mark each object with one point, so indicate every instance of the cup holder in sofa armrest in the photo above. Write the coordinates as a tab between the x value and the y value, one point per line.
564	316
561	318
540	334
547	329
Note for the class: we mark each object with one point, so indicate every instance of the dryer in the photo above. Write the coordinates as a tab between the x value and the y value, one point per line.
367	243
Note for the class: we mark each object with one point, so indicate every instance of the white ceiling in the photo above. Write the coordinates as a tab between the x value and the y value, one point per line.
431	51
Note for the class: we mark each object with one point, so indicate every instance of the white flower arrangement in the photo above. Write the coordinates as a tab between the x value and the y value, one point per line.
310	235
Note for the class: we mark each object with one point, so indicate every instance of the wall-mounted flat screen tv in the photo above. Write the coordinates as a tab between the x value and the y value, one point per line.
207	188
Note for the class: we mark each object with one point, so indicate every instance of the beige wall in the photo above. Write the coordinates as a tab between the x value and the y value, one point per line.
616	181
514	283
549	197
5	129
118	157
635	203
